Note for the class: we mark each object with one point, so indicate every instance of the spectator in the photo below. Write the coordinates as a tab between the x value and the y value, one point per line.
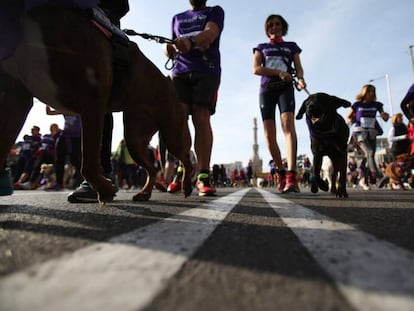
26	160
68	144
249	174
306	179
216	175
411	135
223	176
398	136
127	168
407	107
352	172
45	154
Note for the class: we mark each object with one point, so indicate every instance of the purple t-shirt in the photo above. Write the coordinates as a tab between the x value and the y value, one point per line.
365	113
190	23
277	56
407	104
72	127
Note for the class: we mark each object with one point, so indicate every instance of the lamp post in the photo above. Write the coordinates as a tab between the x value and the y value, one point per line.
410	47
387	80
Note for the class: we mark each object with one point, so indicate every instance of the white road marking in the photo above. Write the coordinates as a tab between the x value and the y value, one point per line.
372	274
130	269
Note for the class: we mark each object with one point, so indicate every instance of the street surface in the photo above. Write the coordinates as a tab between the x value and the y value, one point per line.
245	249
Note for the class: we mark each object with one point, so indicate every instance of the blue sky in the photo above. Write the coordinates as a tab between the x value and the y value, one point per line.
345	44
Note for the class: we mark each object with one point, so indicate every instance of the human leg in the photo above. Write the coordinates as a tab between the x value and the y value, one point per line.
269	127
84	192
203	143
289	131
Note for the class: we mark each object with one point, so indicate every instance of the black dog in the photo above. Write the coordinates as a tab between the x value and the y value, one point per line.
329	136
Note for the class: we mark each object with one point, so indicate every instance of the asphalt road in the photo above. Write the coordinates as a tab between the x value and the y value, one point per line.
245	249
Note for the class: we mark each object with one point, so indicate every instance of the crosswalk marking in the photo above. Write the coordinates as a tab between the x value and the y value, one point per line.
130	269
371	273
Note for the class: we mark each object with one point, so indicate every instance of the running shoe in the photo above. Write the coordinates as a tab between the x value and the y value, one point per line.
291	183
175	185
282	181
85	194
6	187
203	185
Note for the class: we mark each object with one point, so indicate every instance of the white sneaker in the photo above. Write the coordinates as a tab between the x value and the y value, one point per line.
26	185
363	184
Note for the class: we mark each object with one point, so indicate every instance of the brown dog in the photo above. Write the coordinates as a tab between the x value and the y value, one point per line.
396	170
64	61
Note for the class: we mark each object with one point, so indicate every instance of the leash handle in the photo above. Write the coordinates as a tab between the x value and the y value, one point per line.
169	64
158	39
296	82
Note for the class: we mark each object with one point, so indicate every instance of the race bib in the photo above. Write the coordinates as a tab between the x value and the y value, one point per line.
276	62
367	122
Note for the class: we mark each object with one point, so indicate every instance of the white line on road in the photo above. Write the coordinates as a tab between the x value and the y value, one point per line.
372	274
123	274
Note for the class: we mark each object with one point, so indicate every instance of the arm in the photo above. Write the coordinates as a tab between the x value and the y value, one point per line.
407	106
299	71
384	115
392	138
351	116
259	69
51	112
202	40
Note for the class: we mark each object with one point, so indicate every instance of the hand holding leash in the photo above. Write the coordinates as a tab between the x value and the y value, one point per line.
300	86
169	64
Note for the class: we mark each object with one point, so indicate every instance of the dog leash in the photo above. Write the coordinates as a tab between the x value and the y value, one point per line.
296	82
159	39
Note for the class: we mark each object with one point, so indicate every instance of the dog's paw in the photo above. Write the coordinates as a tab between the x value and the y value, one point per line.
314	187
341	193
322	184
142	196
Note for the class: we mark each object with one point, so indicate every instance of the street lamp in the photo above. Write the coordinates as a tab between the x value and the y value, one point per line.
387	80
411	54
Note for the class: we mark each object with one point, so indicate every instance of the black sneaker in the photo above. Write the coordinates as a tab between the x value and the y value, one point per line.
6	186
83	194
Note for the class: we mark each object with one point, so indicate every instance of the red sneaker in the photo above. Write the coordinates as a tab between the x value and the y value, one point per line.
203	185
282	181
174	187
291	183
161	185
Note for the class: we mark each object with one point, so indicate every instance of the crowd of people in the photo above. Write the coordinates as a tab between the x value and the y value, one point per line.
196	74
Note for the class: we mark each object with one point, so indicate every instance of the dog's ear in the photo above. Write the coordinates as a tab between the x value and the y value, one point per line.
302	109
339	102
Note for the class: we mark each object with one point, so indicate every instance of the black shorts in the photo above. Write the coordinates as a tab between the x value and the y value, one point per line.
197	89
284	98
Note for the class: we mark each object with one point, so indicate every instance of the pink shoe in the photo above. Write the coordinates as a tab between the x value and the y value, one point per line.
291	183
282	181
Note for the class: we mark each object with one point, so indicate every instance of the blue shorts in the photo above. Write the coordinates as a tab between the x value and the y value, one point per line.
284	98
197	89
